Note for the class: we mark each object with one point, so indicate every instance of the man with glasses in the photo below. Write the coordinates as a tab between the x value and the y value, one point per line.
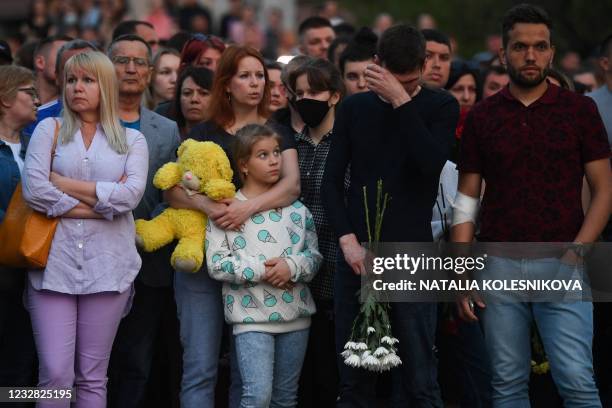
132	355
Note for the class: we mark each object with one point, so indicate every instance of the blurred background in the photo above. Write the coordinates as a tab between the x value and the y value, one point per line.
473	24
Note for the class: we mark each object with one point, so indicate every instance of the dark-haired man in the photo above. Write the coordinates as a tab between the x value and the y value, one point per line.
353	61
353	72
316	34
153	314
533	142
438	61
495	78
45	56
400	133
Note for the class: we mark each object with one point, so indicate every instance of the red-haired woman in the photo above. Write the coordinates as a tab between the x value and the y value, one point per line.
202	50
240	96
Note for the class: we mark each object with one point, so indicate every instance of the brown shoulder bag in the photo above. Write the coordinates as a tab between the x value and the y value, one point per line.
25	234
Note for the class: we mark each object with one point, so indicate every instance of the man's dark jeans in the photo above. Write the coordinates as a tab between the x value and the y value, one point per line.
413	324
150	325
319	377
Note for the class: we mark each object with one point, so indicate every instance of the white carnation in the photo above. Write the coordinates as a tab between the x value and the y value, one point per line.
391	360
353	361
371	362
381	351
389	340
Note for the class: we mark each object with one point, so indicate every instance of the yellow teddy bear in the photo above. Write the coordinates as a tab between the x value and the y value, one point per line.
202	167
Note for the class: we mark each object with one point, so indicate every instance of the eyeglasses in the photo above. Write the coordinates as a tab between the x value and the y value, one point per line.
139	62
30	91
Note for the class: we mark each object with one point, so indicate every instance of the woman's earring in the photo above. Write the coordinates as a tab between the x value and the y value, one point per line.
229	97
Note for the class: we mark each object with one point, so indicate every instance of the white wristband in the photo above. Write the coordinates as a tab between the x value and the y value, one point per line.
465	209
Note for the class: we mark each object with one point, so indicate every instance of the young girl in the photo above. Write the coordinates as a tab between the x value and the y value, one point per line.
240	96
264	267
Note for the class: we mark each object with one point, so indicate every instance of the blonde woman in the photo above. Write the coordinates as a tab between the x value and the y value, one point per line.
97	177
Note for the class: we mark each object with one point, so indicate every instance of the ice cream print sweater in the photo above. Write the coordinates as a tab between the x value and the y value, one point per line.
237	258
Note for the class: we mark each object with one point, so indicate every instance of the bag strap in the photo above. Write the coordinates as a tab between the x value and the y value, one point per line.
57	127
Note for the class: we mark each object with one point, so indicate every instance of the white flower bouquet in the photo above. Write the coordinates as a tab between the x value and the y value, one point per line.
371	345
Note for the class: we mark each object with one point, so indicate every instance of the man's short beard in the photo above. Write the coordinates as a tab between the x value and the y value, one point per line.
519	80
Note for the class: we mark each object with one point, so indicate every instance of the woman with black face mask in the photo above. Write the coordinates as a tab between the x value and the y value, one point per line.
318	88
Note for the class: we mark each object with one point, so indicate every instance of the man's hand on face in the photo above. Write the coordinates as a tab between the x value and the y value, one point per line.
381	81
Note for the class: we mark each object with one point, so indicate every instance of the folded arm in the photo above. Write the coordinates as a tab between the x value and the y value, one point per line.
113	198
178	198
38	191
282	194
227	265
82	211
84	191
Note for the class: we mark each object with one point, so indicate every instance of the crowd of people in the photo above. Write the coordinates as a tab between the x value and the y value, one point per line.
93	108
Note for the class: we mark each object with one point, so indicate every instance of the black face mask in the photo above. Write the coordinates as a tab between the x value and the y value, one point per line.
312	111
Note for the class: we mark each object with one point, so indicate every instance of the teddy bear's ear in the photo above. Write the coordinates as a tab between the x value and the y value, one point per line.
185	145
